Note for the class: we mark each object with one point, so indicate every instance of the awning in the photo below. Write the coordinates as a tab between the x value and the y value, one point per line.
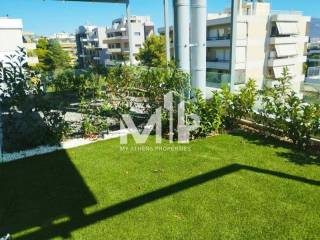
285	50
287	28
278	71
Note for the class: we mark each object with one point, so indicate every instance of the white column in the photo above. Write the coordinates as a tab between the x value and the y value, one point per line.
182	34
234	21
167	28
198	44
130	35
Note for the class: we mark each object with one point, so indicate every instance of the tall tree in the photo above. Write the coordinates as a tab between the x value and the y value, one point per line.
153	52
51	55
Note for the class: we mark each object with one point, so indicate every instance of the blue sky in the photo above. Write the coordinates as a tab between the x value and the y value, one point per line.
45	17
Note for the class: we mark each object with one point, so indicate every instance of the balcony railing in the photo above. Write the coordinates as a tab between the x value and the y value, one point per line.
217	38
217	60
217	80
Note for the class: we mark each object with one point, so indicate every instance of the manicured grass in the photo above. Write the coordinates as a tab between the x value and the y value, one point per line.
226	187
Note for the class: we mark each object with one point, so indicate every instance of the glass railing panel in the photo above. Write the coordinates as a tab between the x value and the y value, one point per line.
217	80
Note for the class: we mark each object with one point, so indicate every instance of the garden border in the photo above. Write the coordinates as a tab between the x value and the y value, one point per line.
72	143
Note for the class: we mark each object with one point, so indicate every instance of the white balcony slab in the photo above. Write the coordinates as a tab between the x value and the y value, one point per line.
278	62
286	17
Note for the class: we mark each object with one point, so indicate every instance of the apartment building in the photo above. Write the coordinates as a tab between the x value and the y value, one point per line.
10	37
68	43
30	45
118	41
91	46
312	82
267	42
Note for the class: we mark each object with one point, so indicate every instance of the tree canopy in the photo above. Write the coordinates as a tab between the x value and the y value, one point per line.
51	55
153	52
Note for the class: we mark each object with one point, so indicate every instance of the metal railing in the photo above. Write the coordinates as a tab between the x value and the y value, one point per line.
217	60
217	38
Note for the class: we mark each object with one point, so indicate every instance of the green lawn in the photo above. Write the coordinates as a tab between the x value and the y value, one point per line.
225	187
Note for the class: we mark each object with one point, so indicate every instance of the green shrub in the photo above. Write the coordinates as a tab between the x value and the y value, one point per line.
29	121
303	121
284	114
210	113
238	105
94	118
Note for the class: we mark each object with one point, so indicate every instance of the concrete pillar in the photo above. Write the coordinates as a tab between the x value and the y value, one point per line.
234	23
130	35
198	44
182	34
167	28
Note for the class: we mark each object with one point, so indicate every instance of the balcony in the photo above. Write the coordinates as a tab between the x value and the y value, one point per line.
314	60
219	21
283	40
218	64
117	38
223	41
312	51
89	40
114	50
286	16
110	62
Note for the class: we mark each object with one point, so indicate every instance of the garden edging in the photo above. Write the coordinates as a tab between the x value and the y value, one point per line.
72	143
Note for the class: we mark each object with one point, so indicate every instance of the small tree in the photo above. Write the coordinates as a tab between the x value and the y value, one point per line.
153	52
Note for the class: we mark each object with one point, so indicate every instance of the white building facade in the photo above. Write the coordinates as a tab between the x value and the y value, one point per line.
118	41
267	42
91	48
10	37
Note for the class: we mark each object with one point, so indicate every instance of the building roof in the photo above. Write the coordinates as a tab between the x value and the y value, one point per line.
10	23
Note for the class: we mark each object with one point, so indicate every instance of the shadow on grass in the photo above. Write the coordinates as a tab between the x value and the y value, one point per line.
293	155
47	190
36	191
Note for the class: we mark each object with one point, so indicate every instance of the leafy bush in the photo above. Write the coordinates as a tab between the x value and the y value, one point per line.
284	114
143	88
29	121
94	118
210	113
238	105
83	83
